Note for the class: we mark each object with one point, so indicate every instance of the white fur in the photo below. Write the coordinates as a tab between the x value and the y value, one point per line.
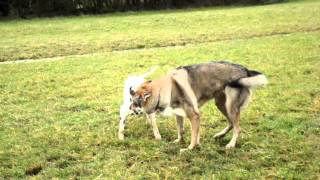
254	81
246	101
231	94
132	82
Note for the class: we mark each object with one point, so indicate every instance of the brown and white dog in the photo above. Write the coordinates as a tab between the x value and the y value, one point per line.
184	90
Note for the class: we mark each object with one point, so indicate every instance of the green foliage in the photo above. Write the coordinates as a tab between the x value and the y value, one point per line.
59	117
68	7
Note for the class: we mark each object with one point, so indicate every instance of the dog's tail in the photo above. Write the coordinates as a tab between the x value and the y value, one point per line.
152	70
254	79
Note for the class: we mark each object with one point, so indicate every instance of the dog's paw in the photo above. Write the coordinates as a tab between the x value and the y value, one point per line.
158	138
121	136
230	146
190	147
184	150
218	135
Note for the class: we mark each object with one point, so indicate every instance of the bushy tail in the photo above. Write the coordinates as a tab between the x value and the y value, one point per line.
255	79
152	70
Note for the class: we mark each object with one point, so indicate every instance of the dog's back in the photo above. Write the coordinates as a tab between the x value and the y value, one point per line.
207	79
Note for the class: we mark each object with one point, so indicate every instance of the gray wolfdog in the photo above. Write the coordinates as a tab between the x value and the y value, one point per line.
185	89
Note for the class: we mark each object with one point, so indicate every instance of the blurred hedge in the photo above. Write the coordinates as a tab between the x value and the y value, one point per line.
24	8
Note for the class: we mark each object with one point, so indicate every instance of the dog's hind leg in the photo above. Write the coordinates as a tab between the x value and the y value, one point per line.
236	130
152	119
220	101
224	131
180	128
236	98
233	111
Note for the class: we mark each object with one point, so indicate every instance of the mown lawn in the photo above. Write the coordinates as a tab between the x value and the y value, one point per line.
40	38
59	118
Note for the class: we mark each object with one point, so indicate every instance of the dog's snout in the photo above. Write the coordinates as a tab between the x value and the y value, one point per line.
137	102
137	111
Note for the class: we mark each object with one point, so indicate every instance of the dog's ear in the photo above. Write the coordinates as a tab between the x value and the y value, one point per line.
131	91
146	90
146	95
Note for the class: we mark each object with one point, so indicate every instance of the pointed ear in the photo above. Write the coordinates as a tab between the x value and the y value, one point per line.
131	91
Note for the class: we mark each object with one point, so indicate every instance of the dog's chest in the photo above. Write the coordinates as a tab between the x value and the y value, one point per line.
172	108
169	111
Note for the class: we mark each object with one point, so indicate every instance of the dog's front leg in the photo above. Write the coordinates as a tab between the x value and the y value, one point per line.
124	112
152	119
148	120
121	128
195	135
180	128
195	129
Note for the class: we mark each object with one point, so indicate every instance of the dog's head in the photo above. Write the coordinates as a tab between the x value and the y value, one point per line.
130	86
140	96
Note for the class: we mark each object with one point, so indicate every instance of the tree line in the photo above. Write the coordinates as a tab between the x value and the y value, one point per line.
25	8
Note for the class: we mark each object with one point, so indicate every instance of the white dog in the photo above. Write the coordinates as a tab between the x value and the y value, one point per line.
130	85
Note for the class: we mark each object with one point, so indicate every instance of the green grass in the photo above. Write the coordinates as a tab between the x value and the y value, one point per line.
62	115
40	38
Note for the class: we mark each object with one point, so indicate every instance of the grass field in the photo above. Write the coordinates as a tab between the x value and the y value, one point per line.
59	116
40	38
